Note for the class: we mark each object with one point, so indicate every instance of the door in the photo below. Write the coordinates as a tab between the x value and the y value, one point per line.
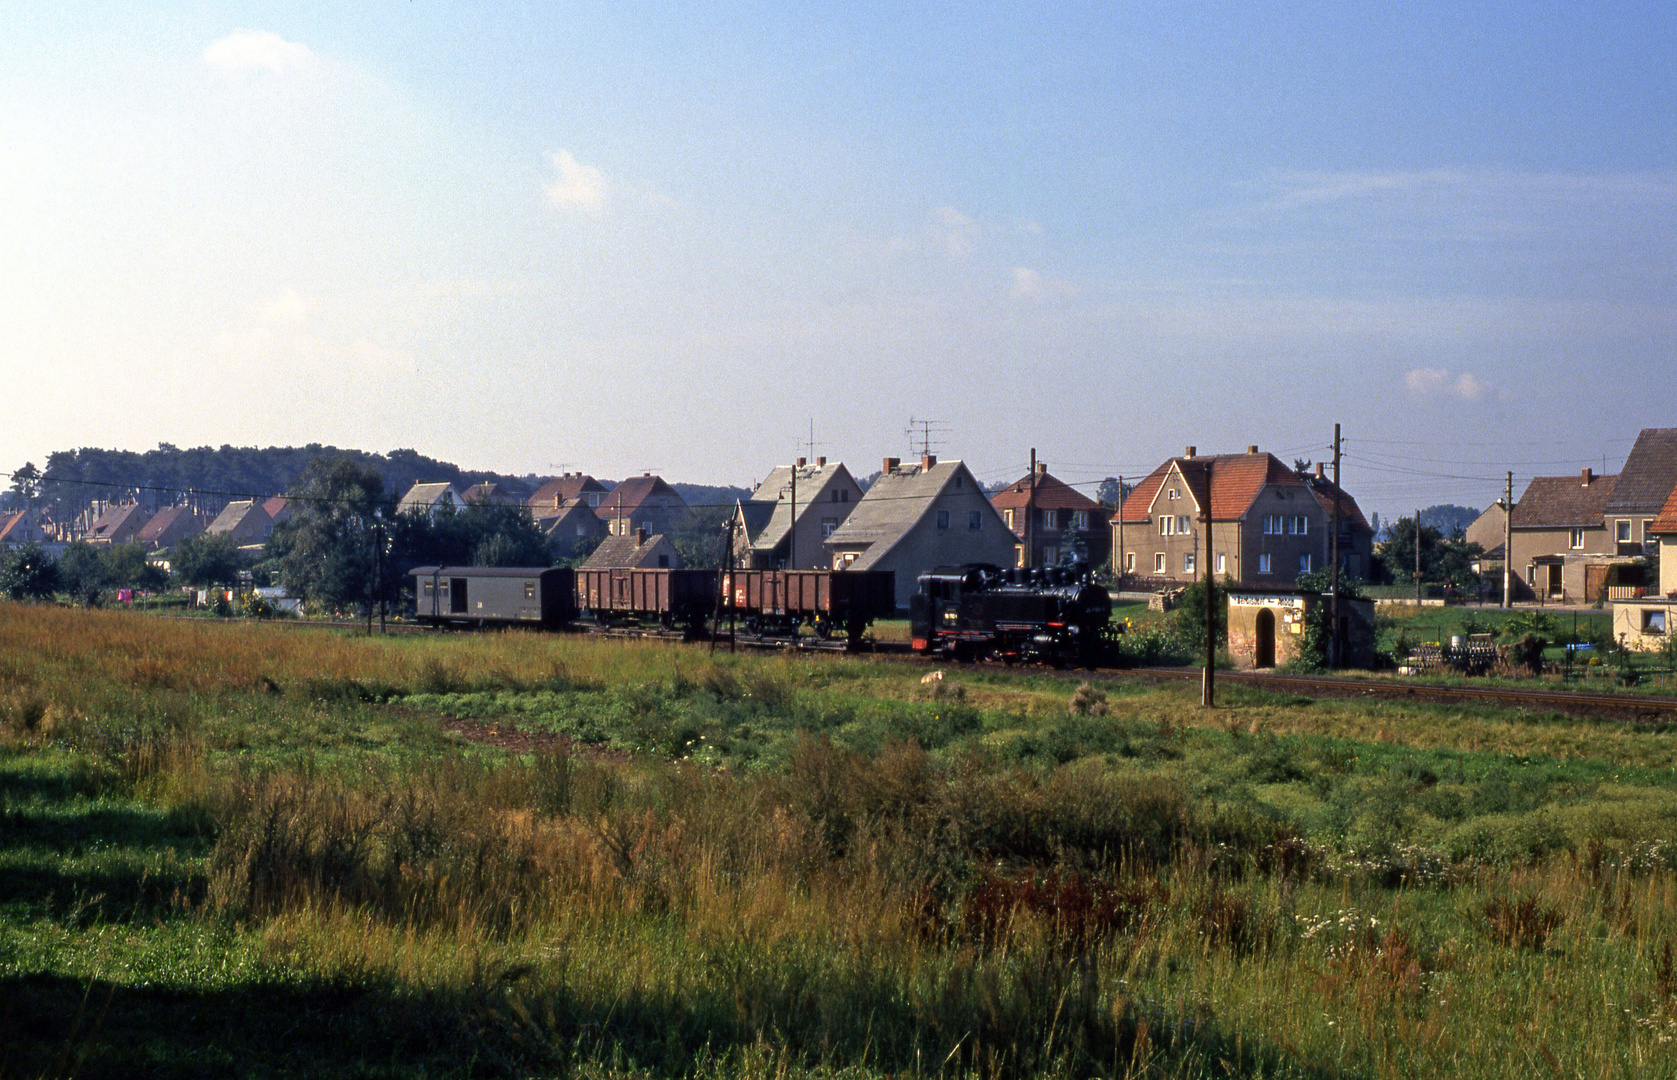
1555	589
457	596
1264	654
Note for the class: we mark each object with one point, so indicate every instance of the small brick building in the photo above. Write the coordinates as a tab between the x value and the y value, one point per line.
1266	629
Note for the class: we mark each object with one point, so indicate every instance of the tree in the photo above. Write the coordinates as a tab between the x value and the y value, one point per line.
26	573
1110	492
1190	615
25	493
1444	560
700	536
82	573
207	559
325	550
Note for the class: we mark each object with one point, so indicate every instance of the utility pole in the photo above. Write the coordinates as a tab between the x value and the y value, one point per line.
378	532
1508	542
1333	556
1208	689
1030	508
724	583
1417	557
792	528
1118	564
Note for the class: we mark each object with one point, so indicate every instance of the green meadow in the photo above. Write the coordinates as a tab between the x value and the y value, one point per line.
244	849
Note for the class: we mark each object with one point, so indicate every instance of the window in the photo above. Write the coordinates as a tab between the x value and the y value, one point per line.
1159	563
1007	516
1018	554
1182	524
1129	562
663	562
828	527
1653	622
1048	519
849	557
1272	524
430	587
529	590
1304	563
1623	532
1167	526
844	495
1298	525
1577	538
943	519
1175	494
958	479
1264	564
975	521
1080	519
1222	563
1188	563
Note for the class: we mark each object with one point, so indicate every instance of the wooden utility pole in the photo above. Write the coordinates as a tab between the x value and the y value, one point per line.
792	528
1030	509
724	582
1417	557
1508	542
1208	688
1118	563
1333	561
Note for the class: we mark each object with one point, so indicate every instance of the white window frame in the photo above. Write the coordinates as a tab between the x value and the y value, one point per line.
1182	526
1577	540
1159	563
1621	530
1080	519
1651	617
1222	563
1305	563
1129	562
1265	563
1189	562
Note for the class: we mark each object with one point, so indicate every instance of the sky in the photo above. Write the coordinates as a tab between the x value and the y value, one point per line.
702	239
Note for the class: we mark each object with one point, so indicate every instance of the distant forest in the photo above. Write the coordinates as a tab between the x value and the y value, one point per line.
210	477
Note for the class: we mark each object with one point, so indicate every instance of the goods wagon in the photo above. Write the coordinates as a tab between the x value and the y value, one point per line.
780	602
491	596
673	599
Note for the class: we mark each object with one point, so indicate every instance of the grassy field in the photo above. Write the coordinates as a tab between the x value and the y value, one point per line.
231	848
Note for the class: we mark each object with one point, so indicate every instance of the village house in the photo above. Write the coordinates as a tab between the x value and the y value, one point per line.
1647	479
638	550
489	493
1051	519
1268	523
245	521
818	498
430	500
278	508
571	528
566	490
918	517
19	528
1561	547
169	526
119	524
641	502
1646	623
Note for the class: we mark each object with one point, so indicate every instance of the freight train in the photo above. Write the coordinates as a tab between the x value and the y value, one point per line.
770	603
1055	615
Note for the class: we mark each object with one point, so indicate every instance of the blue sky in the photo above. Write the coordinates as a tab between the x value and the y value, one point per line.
581	236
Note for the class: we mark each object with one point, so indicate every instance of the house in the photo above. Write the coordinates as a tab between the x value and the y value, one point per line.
169	526
1356	535
918	517
563	490
1647	479
1268	523
245	521
1560	545
571	528
787	520
1647	623
1488	531
1052	519
641	502
278	508
639	550
490	493
19	528
119	524
430	500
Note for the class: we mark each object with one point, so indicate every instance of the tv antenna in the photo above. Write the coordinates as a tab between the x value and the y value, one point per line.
810	443
927	433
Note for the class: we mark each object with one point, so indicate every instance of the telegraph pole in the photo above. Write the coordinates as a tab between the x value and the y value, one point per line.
1333	564
792	529
1208	689
1030	508
1417	558
1508	542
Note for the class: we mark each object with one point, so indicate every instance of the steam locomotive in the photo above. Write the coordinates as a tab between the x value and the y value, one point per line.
1054	615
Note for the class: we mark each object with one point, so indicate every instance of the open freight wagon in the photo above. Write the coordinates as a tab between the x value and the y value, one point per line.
828	602
673	599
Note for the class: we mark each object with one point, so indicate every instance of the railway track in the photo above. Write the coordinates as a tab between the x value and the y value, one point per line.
1640	708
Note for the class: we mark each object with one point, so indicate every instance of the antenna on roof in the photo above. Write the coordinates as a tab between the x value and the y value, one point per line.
811	443
927	432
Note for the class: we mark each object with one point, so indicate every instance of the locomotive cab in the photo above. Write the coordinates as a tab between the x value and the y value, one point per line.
1054	614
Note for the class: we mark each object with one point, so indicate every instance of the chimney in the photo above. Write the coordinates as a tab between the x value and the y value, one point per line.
820	463
1251	449
1189	452
1319	475
890	465
1042	468
928	461
640	536
1589	474
801	462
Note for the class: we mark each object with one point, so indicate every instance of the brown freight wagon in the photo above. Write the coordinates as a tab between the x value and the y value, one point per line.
669	598
827	601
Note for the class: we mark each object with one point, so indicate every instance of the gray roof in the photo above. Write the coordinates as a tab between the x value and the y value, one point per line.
424	496
1649	475
627	552
755	516
894	505
234	514
776	492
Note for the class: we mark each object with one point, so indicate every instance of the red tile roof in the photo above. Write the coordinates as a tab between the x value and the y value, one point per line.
562	489
631	494
1236	480
1050	494
1667	521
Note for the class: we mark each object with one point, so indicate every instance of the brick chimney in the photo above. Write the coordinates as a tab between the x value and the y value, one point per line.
1589	474
802	462
1190	451
1251	449
820	463
928	461
1042	468
890	465
1319	475
640	536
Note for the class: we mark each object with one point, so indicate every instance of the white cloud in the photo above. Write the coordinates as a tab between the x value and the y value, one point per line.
257	50
579	187
1425	380
1029	284
1469	388
286	308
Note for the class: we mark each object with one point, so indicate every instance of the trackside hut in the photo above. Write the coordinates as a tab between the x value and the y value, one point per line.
1267	627
917	517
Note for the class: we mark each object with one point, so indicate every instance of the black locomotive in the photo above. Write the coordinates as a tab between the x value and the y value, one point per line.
1055	615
